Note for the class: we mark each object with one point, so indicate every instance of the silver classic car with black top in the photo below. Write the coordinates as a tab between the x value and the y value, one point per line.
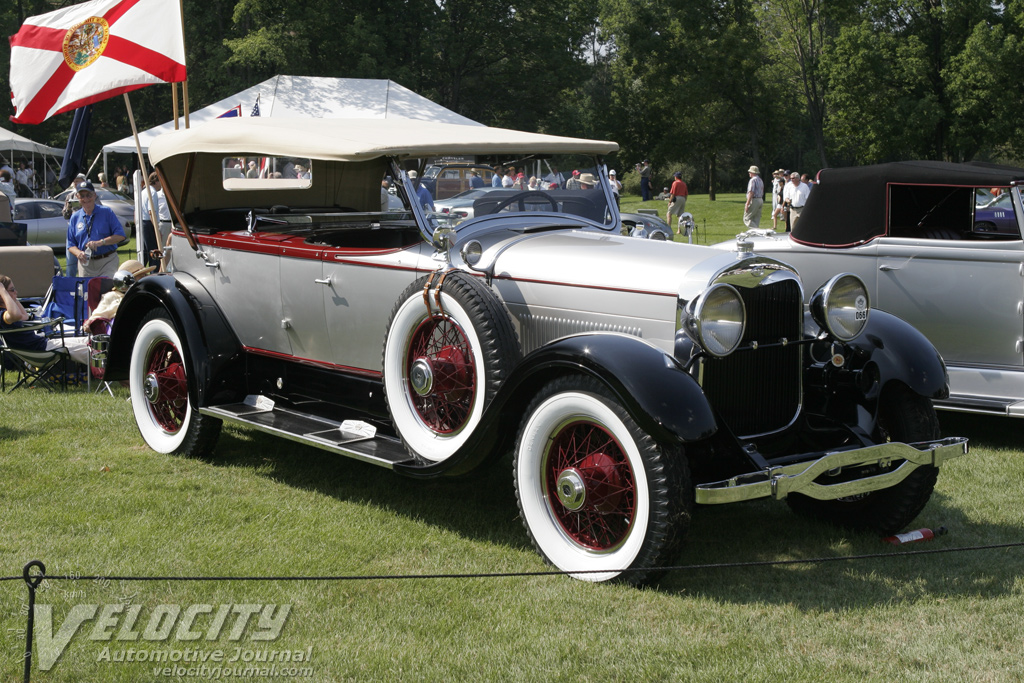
933	248
630	379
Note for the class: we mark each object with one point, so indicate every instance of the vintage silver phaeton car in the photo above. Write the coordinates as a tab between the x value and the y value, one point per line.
913	233
630	378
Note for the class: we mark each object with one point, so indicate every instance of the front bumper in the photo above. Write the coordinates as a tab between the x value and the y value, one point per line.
803	477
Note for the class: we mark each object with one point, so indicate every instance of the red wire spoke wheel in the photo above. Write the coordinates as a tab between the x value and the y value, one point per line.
442	374
445	355
599	497
159	380
166	387
590	484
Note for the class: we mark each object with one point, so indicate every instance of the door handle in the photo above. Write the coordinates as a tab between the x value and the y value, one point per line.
323	281
886	269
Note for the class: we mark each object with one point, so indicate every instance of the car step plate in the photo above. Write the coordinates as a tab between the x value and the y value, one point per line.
352	439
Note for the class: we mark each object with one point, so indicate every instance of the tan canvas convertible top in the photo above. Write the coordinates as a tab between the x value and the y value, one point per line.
361	139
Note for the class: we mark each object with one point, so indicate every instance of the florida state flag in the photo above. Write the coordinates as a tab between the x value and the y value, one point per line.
85	53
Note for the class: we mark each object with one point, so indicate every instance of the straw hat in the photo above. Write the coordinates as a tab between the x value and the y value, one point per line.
136	269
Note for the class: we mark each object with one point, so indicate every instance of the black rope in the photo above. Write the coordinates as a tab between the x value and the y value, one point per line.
34	580
550	572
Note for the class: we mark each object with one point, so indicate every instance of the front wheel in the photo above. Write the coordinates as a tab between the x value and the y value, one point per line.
595	492
903	416
159	382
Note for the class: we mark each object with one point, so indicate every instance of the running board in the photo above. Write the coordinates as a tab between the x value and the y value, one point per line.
983	405
352	439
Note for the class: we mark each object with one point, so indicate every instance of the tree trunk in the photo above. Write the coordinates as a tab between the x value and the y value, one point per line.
711	179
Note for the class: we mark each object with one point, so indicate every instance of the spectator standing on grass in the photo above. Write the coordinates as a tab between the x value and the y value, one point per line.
755	198
554	178
423	195
644	170
778	184
616	185
794	197
150	245
94	234
677	202
7	187
573	183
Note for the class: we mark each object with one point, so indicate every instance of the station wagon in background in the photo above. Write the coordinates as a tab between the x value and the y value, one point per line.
630	379
447	180
930	254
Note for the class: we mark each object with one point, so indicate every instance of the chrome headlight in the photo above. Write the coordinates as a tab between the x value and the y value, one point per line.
842	306
718	320
471	252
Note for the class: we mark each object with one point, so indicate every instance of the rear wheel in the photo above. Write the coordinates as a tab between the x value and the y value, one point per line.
595	492
159	382
905	417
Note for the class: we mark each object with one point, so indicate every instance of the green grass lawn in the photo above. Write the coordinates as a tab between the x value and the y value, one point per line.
86	496
716	221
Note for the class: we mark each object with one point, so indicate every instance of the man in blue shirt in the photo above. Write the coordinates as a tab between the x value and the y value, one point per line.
426	200
93	235
475	180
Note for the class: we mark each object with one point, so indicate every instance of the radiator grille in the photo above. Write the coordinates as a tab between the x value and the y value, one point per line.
758	391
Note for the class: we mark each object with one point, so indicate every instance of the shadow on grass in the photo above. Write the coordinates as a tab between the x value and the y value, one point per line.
484	509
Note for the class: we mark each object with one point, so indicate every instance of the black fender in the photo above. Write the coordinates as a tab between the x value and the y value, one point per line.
887	352
901	353
212	351
664	399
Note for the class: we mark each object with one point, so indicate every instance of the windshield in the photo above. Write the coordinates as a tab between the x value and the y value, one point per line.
568	185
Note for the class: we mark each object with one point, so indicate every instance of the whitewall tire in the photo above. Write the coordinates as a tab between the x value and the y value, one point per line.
159	382
595	492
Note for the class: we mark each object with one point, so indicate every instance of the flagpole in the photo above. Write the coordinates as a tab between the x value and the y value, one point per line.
174	103
149	188
184	83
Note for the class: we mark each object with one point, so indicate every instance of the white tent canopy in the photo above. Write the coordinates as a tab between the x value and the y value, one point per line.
12	142
313	97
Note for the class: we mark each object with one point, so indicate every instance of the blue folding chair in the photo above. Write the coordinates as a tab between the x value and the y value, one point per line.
68	297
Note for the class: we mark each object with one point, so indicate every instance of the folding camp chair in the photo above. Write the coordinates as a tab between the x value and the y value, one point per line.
67	299
47	368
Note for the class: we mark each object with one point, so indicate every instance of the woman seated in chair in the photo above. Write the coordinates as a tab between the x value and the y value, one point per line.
127	274
13	315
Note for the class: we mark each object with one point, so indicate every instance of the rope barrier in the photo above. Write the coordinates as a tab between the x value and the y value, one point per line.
33	581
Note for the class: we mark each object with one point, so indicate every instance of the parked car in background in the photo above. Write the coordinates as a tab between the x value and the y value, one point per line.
46	226
460	207
121	204
631	380
448	180
913	233
996	215
645	225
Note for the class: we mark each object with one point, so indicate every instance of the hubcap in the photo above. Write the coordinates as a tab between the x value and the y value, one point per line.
571	489
422	376
590	486
151	387
441	374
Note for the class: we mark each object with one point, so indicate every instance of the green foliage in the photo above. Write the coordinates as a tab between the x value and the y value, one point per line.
717	86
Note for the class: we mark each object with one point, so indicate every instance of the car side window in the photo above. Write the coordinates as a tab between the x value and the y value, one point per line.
26	211
943	212
49	210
